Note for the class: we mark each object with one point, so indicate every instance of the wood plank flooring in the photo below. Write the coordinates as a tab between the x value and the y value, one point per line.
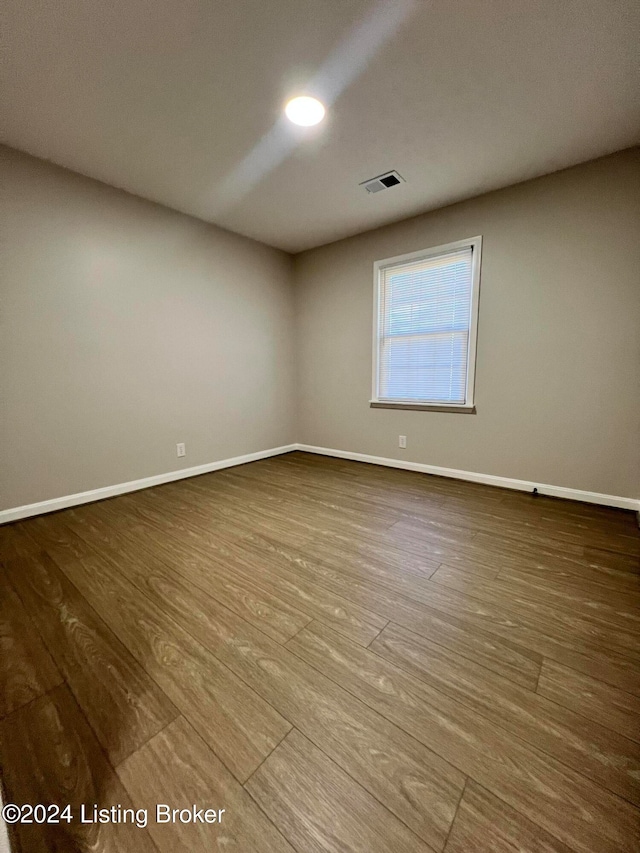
341	657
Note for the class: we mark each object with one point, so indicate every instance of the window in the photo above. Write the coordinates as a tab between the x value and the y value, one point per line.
425	328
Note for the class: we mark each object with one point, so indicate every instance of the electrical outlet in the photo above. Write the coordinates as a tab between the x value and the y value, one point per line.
181	449
402	441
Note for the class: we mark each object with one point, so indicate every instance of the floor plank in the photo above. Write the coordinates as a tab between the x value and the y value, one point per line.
123	704
555	635
602	606
178	769
604	583
238	725
259	606
223	557
562	801
413	782
612	559
50	533
485	824
490	554
515	661
320	808
594	750
26	668
391	569
615	709
50	755
534	529
507	660
536	610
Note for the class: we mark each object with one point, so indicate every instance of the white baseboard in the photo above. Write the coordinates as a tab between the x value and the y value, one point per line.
65	501
54	504
488	479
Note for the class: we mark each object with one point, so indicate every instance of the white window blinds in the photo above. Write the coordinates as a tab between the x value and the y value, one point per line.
425	320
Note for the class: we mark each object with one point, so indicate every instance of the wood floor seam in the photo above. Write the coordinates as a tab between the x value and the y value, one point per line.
253	773
464	788
35	699
376	636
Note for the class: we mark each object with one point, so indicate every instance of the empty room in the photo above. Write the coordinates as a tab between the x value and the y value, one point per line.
320	426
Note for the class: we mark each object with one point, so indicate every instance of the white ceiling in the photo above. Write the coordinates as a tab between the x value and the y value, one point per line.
180	101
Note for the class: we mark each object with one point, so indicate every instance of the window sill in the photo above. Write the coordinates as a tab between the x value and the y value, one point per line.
422	407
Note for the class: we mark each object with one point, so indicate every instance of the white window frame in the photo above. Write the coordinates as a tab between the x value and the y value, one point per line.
475	244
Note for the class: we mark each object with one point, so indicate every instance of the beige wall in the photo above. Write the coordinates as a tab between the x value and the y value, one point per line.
125	328
558	366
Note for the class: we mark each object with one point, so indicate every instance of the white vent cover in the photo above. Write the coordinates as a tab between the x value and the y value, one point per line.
382	182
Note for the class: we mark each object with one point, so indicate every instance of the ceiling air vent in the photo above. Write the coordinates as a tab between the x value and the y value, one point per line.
382	182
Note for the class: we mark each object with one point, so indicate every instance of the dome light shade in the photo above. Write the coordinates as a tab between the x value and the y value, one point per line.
304	111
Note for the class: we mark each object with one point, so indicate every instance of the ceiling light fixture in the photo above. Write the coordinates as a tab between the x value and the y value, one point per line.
304	111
